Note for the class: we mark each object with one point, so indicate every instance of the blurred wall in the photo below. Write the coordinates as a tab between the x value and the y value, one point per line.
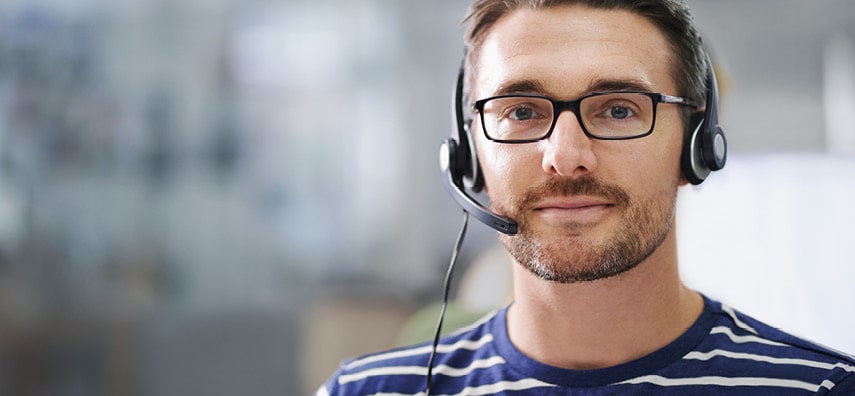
229	196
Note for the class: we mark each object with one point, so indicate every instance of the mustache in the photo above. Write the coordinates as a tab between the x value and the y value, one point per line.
561	186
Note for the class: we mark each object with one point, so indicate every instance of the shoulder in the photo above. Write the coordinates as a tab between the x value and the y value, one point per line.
403	370
739	340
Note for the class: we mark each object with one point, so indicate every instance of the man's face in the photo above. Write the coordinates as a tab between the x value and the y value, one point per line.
588	209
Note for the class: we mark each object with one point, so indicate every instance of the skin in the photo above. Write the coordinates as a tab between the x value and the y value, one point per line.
566	52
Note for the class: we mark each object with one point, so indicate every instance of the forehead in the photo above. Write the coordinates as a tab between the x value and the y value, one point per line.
567	50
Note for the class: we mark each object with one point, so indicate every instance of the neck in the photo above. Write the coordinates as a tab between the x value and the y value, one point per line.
606	322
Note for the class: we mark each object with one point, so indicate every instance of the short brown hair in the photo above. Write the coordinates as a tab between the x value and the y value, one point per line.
672	18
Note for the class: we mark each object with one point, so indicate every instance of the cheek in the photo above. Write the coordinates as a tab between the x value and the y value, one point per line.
655	166
672	151
502	167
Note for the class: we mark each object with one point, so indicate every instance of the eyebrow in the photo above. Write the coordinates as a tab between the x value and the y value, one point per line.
598	85
603	85
520	86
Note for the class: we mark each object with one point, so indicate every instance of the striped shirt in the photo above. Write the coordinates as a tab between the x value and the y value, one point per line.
723	353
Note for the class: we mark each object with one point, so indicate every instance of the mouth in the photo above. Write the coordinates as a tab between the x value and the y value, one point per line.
576	209
572	203
564	202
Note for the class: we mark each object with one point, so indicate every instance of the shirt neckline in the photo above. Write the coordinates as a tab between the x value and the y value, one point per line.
645	365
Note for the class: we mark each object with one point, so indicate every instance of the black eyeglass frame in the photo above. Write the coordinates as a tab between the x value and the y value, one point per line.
559	106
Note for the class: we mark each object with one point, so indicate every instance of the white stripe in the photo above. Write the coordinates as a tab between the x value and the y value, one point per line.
743	339
322	391
460	372
490	389
397	394
393	370
442	348
730	311
725	381
761	358
422	370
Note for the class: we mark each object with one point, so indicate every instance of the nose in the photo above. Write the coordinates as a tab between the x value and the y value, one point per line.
568	151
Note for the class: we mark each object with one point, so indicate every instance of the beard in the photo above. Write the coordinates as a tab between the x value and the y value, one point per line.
569	257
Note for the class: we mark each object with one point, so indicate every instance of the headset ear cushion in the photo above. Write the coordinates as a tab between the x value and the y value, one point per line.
476	183
474	176
455	158
691	160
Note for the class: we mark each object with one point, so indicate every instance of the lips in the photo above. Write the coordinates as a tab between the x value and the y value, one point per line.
572	203
572	210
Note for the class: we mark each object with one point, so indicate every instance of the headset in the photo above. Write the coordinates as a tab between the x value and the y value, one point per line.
704	151
458	161
705	148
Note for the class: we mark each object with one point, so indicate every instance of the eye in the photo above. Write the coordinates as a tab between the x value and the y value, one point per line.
619	112
616	107
522	109
522	113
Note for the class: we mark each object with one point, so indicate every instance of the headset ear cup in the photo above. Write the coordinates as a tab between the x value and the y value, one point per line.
448	161
691	160
474	178
715	148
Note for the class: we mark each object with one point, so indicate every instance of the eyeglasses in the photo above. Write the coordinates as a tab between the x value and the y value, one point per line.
602	115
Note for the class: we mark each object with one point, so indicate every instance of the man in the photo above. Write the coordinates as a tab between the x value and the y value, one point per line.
599	307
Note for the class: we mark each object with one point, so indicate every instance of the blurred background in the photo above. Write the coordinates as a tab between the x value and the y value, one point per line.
229	197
